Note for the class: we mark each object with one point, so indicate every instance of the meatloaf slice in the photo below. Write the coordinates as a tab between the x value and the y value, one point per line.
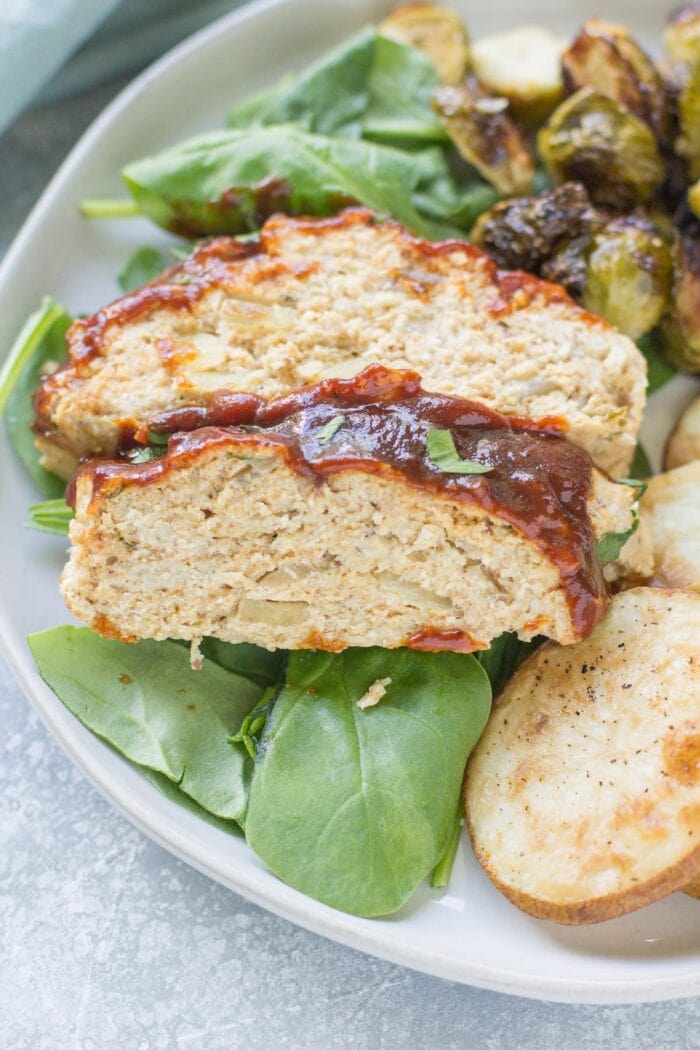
349	513
314	298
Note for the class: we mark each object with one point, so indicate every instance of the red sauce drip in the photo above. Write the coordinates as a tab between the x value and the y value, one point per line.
538	483
432	639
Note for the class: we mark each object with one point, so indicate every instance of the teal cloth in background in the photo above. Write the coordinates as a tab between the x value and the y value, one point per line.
52	48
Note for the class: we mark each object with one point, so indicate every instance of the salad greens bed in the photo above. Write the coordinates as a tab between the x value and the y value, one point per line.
353	804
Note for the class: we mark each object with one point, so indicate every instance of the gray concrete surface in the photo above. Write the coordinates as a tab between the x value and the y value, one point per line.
107	942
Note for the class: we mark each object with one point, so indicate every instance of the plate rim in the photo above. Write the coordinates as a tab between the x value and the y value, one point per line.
282	901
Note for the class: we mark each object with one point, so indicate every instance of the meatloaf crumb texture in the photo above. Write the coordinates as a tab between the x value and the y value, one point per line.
231	542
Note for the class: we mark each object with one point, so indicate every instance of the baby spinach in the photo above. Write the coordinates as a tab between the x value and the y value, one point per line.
142	266
368	86
41	340
503	657
148	703
53	515
609	546
178	796
355	807
659	368
230	181
262	666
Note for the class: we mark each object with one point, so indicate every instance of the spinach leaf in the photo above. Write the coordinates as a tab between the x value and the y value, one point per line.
641	467
368	86
443	869
355	807
148	703
609	546
443	454
141	267
504	657
263	666
659	369
230	181
177	795
53	515
42	339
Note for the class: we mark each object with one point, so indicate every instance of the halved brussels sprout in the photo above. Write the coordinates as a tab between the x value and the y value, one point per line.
629	274
694	198
524	66
681	328
682	35
688	142
594	140
437	31
485	136
606	58
524	233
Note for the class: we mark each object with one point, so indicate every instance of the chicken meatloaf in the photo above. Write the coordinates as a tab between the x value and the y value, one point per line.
354	512
315	298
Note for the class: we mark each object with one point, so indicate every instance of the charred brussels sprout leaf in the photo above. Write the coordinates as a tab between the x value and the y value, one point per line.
485	136
682	36
629	273
604	57
436	31
524	66
594	140
681	328
523	233
688	142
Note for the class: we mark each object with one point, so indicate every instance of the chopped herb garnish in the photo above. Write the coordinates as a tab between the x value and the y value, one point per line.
331	428
443	454
610	544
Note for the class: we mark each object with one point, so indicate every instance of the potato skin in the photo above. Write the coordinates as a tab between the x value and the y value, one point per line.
684	443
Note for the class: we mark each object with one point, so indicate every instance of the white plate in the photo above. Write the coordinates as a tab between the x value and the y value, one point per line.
469	933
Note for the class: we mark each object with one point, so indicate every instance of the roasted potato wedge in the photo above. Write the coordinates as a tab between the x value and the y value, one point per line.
693	888
629	274
606	58
684	443
485	136
524	66
681	327
671	509
583	794
437	31
594	140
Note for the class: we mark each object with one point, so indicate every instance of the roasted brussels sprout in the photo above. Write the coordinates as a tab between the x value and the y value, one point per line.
681	327
606	58
485	136
594	140
694	198
524	233
437	31
524	66
629	273
688	142
682	37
